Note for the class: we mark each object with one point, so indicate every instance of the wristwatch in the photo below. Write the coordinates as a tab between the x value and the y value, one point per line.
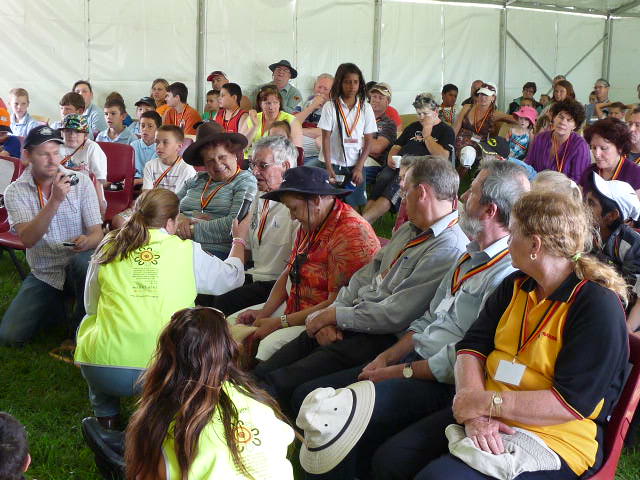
407	371
283	321
495	409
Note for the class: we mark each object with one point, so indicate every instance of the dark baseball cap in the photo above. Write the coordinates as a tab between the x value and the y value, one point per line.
147	101
496	145
42	134
216	73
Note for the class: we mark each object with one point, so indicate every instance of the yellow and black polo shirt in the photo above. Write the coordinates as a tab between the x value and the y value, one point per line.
573	342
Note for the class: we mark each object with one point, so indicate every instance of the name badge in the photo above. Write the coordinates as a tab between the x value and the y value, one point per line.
476	138
510	372
445	304
351	143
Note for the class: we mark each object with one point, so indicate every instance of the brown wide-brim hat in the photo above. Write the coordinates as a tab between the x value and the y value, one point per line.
192	154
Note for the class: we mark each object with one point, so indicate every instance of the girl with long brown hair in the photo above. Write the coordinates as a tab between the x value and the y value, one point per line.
139	275
200	415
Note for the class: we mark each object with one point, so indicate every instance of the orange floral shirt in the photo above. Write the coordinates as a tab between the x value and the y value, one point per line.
345	243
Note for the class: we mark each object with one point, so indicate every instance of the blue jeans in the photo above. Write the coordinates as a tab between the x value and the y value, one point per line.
399	403
449	466
38	304
108	384
359	196
313	162
370	173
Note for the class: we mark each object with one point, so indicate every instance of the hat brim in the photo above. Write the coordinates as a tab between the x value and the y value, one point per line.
5	128
140	102
192	154
487	92
321	461
294	72
275	194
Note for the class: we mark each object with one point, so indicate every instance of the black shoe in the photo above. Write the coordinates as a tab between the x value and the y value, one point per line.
107	446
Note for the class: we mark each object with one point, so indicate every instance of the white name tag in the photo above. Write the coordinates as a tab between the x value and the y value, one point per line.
476	138
510	372
351	143
445	304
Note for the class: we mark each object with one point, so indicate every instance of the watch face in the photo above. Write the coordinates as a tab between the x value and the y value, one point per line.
407	372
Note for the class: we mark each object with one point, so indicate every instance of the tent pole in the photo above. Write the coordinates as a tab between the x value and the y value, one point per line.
606	54
201	41
377	34
502	58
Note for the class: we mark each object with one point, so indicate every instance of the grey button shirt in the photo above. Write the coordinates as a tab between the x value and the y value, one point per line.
449	317
373	304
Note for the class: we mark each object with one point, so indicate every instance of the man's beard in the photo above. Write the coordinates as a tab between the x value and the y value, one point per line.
469	225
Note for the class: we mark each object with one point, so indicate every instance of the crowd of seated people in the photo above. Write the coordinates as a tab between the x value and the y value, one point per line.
245	298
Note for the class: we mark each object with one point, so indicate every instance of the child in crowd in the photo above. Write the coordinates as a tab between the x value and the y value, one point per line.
212	106
71	102
544	100
9	144
167	170
145	146
180	113
117	132
80	153
521	135
526	102
116	96
14	448
145	104
281	128
348	124
611	109
21	121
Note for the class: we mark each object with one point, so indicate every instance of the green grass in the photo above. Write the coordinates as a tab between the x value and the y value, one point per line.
50	398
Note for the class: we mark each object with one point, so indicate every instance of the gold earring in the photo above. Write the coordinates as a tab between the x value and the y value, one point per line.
533	256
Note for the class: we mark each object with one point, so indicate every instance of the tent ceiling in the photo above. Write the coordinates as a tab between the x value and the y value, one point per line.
596	7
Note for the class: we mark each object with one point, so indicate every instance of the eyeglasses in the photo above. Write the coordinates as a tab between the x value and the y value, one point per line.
259	165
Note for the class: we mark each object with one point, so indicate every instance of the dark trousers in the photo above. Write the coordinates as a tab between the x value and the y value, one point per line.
303	359
449	466
251	293
399	403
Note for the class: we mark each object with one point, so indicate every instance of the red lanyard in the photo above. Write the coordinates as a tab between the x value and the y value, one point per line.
263	220
349	129
164	174
205	201
448	116
616	172
560	163
456	281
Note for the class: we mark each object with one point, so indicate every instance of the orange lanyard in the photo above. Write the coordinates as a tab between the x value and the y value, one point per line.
164	174
349	129
263	220
180	122
560	163
40	197
616	172
225	123
205	201
423	237
475	120
456	281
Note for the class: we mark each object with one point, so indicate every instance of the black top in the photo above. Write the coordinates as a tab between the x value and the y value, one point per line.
387	129
412	142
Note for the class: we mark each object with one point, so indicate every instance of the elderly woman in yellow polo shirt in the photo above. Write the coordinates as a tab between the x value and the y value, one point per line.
546	356
138	277
201	416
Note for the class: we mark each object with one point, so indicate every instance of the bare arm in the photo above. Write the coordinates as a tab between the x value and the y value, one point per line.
296	133
499	116
378	145
463	113
317	102
393	151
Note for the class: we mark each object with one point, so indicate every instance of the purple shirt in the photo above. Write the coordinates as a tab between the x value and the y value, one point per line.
630	173
576	161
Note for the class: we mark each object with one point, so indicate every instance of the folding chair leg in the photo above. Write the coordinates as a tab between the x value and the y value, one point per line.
16	262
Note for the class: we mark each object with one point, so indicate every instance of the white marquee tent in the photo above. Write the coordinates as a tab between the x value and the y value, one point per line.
414	45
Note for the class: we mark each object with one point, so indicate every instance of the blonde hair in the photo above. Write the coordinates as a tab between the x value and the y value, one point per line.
564	227
19	92
552	181
152	210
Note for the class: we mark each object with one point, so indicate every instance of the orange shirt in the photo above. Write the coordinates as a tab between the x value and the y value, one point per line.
185	120
345	243
162	109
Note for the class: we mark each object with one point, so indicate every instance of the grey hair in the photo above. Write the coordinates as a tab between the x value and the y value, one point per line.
425	100
282	148
503	186
323	75
550	180
603	81
438	173
407	161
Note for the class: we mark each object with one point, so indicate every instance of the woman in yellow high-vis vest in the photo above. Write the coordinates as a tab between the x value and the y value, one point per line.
139	276
201	416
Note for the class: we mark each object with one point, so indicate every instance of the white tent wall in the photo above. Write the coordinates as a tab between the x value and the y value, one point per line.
123	45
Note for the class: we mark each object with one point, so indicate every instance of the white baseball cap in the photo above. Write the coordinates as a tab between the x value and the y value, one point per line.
620	192
333	421
468	156
489	89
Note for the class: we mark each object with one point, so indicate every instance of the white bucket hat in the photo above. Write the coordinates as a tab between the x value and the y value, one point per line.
620	192
333	421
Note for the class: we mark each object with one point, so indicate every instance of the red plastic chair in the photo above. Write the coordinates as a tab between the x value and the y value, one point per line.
300	156
121	167
11	169
622	415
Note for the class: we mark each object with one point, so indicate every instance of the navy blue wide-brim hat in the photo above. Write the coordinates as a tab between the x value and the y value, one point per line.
306	180
284	63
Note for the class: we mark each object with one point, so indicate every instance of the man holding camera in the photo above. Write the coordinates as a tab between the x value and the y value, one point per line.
55	214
